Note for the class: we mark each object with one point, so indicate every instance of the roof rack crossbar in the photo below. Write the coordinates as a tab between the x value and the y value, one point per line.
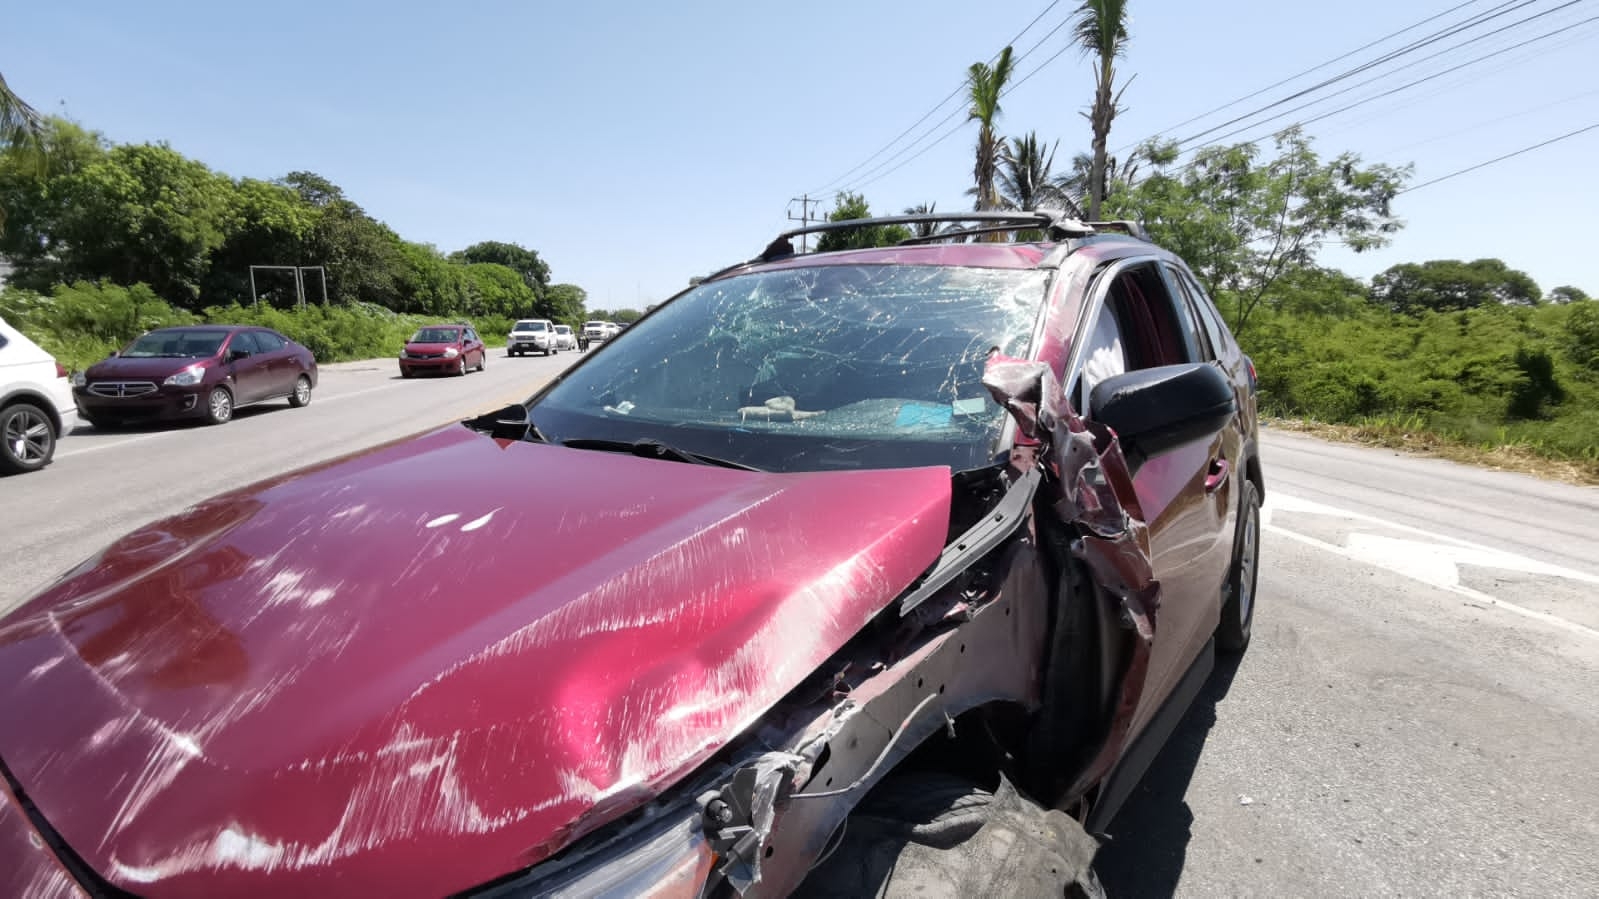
1055	223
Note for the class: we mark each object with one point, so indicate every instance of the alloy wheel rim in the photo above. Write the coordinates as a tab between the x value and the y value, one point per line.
28	436
1246	566
302	390
221	406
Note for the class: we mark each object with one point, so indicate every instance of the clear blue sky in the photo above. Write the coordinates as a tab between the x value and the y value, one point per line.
636	144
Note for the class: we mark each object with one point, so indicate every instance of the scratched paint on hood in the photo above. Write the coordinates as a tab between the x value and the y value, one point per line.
421	668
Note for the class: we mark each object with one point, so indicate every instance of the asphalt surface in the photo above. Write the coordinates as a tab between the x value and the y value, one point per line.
1416	716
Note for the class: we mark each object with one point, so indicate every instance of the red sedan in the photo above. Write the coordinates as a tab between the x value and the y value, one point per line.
443	349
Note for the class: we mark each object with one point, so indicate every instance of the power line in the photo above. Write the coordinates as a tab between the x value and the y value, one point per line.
1316	68
1498	159
951	132
888	166
1409	84
1479	19
940	105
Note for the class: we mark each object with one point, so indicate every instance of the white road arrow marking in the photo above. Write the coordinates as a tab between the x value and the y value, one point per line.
1434	560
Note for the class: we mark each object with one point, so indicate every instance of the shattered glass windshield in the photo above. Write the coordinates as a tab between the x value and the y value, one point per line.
831	366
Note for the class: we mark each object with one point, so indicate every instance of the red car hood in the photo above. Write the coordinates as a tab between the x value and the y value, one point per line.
429	347
147	369
414	670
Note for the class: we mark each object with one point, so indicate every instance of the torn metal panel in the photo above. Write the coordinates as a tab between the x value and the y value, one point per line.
369	673
1092	491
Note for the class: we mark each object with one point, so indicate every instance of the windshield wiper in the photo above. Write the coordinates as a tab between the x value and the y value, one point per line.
652	449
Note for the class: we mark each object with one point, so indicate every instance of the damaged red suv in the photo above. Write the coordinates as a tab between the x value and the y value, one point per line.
903	564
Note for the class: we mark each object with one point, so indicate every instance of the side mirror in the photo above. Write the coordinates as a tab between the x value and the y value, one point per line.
114	354
509	423
1159	409
236	355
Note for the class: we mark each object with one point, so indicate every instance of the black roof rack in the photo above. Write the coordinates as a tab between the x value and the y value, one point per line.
1056	225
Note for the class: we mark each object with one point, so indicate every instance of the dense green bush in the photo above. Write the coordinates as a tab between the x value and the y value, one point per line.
1488	376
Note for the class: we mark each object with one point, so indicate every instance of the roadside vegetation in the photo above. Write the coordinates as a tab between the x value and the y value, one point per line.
108	240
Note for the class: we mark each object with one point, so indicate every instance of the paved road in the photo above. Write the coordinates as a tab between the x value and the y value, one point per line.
1416	715
103	485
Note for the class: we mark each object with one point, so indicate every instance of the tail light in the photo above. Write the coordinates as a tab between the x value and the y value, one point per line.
61	370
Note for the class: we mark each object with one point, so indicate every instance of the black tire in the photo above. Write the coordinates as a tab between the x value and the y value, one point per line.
407	373
483	361
218	406
460	366
935	835
1238	596
27	438
301	397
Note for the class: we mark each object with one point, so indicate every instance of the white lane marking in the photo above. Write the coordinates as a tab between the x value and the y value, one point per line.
1435	561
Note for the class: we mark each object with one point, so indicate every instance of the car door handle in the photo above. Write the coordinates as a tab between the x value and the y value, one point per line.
1219	469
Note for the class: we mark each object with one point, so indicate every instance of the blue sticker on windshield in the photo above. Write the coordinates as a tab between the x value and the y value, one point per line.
924	415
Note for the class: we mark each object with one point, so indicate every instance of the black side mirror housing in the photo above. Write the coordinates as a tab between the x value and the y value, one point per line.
236	355
1159	409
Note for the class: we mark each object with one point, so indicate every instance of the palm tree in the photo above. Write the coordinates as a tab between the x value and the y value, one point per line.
1101	30
923	229
1024	181
20	124
21	129
984	85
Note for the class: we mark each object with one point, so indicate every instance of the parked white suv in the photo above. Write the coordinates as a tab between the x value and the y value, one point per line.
531	335
36	405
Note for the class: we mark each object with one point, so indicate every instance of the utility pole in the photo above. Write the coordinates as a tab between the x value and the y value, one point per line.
805	218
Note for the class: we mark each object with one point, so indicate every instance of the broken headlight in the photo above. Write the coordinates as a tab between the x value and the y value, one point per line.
667	860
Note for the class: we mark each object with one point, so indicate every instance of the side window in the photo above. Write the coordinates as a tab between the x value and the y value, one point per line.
244	341
1140	325
1209	346
471	334
267	341
1211	316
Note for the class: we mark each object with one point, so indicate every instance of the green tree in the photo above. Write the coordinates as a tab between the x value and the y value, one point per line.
1243	222
265	224
923	229
1582	336
535	273
494	289
984	86
566	303
1566	294
1025	181
31	193
1100	29
141	213
313	188
363	257
848	206
626	316
1448	285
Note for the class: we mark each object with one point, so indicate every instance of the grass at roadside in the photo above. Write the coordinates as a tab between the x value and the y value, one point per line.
1407	436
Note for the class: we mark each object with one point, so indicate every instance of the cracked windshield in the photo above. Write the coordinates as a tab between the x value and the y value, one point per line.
815	367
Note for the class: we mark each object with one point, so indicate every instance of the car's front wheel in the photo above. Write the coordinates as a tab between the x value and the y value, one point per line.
1238	597
29	438
483	361
460	366
931	834
302	392
219	406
